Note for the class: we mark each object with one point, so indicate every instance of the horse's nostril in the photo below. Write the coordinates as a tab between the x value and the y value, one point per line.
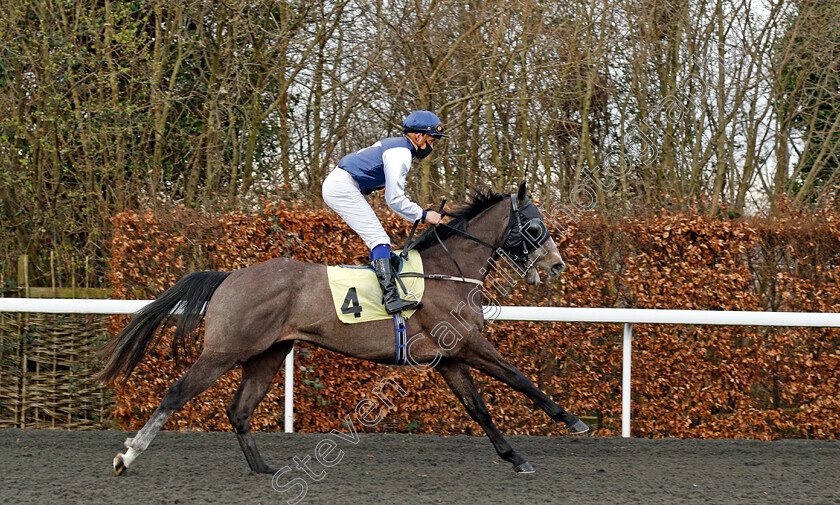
558	268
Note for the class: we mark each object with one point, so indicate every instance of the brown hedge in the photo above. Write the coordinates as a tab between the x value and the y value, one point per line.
689	381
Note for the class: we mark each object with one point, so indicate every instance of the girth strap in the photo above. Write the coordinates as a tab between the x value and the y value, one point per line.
401	335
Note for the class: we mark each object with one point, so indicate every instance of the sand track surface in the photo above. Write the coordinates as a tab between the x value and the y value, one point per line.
72	467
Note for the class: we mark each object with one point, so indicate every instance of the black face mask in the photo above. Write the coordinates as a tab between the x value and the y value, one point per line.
526	231
423	151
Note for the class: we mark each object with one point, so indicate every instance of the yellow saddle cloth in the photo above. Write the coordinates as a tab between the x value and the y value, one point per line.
356	294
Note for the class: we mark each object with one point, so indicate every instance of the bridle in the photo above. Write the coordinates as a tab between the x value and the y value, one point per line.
525	233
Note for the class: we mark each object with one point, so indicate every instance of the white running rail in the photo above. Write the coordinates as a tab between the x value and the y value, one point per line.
87	306
655	316
628	317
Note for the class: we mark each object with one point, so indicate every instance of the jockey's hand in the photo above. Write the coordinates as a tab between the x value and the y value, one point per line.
432	218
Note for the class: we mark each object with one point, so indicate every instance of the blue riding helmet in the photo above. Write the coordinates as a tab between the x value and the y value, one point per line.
423	121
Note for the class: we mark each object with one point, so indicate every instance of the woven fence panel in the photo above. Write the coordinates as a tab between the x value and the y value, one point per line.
47	368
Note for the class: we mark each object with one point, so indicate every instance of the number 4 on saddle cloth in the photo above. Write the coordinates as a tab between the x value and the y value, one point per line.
357	296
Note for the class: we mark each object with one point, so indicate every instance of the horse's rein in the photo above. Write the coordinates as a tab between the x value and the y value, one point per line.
409	245
441	277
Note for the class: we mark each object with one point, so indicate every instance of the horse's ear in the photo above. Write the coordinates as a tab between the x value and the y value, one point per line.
521	195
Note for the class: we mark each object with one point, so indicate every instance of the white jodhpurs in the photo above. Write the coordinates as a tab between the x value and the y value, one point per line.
341	192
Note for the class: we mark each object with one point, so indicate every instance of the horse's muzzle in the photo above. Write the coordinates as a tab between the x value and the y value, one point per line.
557	269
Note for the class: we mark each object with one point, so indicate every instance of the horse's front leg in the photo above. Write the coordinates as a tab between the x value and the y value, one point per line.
479	353
459	379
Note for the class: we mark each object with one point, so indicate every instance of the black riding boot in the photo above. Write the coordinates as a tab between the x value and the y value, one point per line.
390	295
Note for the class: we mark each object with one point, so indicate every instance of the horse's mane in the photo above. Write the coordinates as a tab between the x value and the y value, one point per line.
481	200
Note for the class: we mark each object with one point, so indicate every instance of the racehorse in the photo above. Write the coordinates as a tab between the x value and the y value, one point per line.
253	317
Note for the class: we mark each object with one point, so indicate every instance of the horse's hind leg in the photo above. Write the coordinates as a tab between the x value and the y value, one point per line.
257	375
481	354
459	379
201	375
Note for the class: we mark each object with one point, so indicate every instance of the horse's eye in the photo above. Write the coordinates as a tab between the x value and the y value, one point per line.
535	230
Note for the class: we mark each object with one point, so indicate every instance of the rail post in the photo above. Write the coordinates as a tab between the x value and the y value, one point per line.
289	388
626	365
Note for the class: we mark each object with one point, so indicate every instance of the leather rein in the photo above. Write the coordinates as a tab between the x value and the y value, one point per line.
514	216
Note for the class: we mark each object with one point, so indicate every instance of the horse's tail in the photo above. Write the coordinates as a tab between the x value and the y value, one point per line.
185	301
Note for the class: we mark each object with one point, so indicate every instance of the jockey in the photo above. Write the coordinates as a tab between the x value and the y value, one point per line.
385	164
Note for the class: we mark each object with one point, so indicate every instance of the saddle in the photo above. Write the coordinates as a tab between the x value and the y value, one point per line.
357	297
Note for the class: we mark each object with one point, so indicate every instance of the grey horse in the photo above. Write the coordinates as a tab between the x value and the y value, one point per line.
253	317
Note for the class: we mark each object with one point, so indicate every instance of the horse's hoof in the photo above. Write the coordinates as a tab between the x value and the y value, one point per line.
266	470
524	468
119	465
578	427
